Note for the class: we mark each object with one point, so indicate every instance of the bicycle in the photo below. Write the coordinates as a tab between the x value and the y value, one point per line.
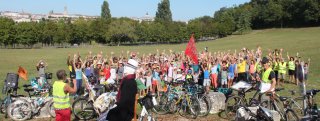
11	96
91	105
286	113
147	105
24	108
234	101
311	112
204	100
187	104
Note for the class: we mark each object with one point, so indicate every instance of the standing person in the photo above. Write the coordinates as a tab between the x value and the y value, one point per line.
206	80
282	70
71	68
61	98
268	79
196	70
252	70
124	110
306	70
41	67
231	72
276	69
224	74
291	69
242	75
214	74
78	71
120	72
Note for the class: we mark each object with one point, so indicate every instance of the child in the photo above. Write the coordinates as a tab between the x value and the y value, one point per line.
140	84
148	81
206	80
306	70
224	74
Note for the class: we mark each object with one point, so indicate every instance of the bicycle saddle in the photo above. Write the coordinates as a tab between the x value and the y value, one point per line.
279	89
282	98
28	90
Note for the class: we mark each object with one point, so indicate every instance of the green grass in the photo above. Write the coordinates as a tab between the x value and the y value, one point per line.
306	41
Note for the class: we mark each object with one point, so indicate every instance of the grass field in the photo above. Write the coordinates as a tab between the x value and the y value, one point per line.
306	41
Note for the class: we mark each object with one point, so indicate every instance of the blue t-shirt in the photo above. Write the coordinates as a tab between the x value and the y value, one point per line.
156	76
78	74
232	68
88	71
195	68
206	74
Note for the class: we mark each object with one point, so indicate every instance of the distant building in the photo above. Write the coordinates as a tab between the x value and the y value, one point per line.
146	18
27	17
16	16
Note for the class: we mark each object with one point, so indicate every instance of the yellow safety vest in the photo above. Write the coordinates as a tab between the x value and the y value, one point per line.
276	66
188	76
282	67
291	65
265	76
60	99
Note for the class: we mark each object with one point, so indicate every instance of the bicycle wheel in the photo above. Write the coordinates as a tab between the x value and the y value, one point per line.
205	106
19	110
83	109
232	105
5	103
290	115
162	107
190	109
50	109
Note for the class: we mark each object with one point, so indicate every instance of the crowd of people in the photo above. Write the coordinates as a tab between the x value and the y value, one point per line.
214	70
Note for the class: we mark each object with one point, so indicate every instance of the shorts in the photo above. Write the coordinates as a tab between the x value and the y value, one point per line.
206	82
230	75
155	82
281	76
63	115
223	81
305	76
291	72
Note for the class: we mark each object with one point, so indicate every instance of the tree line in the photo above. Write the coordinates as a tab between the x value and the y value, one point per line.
256	14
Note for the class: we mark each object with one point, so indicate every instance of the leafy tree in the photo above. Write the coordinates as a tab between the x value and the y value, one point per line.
105	11
121	30
26	33
6	31
164	13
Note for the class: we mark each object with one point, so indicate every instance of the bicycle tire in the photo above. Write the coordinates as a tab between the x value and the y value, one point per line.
204	99
232	105
290	113
22	106
50	109
162	107
85	107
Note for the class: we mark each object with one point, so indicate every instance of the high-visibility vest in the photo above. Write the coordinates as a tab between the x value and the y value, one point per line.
265	76
282	67
60	98
291	65
275	66
188	76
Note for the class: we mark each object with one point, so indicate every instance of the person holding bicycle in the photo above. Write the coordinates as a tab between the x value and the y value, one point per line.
268	81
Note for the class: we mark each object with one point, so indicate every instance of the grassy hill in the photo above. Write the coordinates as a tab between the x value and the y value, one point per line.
306	41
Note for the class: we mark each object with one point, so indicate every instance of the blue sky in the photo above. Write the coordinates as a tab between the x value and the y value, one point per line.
183	10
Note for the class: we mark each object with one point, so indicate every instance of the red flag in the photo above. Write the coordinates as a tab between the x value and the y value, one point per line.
191	50
23	73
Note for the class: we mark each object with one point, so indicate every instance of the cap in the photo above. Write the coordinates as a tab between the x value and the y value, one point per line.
264	60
